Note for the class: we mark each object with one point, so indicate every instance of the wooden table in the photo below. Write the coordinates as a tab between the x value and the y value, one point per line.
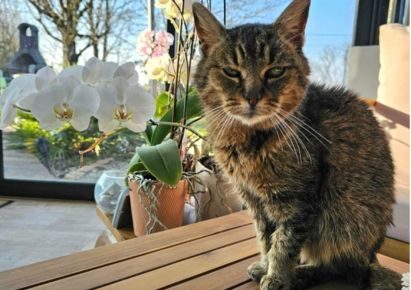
119	234
208	255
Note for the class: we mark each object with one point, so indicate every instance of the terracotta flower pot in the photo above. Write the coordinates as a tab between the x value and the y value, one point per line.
170	209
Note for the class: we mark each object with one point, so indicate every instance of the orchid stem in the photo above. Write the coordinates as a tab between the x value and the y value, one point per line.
21	109
195	120
178	125
91	148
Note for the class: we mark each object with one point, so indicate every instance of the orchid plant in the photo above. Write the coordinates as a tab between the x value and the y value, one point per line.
111	93
179	99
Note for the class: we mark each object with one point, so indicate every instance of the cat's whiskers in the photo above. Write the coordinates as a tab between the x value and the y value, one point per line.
212	115
224	127
215	108
220	133
297	137
300	121
301	132
293	137
232	119
214	125
285	135
303	125
301	116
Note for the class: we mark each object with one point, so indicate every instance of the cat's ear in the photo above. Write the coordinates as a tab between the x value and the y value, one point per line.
209	29
291	23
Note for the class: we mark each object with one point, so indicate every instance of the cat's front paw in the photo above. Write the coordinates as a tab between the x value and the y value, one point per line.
257	270
272	282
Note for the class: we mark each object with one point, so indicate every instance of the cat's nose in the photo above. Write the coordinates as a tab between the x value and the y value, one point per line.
253	96
252	99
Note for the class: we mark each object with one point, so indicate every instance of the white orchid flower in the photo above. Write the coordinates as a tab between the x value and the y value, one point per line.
20	93
75	70
124	104
96	71
128	71
74	96
122	101
66	99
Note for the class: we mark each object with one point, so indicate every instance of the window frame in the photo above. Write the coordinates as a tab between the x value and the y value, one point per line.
372	14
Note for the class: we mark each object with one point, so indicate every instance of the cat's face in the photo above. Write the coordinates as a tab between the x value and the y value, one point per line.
255	73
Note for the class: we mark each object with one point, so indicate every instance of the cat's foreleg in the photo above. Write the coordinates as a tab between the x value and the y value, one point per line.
264	229
282	257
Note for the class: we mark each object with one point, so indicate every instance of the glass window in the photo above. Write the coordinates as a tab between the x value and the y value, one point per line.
30	153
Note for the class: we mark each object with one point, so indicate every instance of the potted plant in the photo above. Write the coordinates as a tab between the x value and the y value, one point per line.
159	188
162	172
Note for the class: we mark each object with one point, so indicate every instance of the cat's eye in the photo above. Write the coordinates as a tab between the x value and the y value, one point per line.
231	72
275	72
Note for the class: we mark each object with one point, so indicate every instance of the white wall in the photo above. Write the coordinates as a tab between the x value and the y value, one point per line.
363	69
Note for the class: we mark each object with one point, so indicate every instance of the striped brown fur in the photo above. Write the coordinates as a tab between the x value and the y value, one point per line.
311	163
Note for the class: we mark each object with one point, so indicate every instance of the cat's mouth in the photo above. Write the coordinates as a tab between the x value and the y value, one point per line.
249	116
252	112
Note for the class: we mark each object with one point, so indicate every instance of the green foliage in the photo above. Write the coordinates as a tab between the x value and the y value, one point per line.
163	103
162	161
27	130
193	110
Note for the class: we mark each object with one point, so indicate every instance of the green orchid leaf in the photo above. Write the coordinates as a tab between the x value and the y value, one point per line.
148	134
135	164
139	166
193	110
162	104
134	167
162	161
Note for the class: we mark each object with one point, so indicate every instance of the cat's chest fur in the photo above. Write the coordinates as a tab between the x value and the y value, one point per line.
256	161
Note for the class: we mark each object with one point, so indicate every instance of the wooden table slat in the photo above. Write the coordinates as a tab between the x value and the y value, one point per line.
180	271
50	270
119	234
395	265
251	285
223	278
154	260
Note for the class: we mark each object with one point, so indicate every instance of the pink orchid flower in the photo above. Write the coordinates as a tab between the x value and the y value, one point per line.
157	45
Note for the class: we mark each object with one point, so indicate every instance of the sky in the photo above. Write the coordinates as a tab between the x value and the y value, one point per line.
330	22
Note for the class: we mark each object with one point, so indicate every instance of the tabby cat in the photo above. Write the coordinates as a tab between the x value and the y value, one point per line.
310	162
